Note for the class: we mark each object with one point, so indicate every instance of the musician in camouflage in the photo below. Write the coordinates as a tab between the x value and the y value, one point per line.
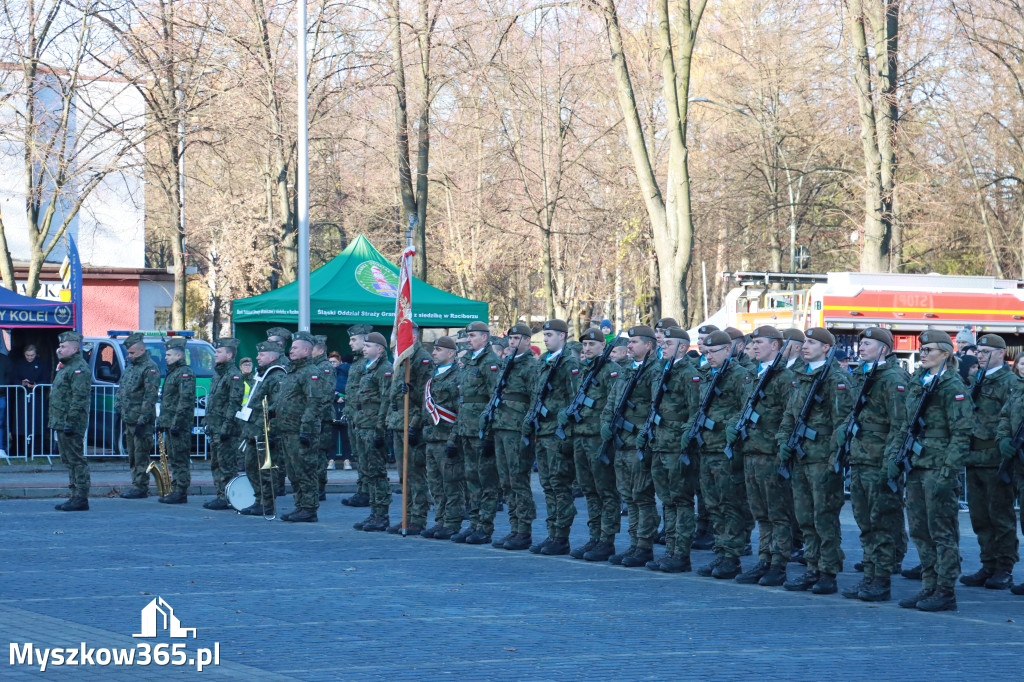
135	402
222	402
262	396
177	413
1010	424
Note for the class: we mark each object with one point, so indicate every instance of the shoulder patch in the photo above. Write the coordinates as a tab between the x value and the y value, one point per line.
78	371
152	371
841	386
236	378
184	376
794	383
494	368
695	379
387	374
958	396
314	377
575	371
900	387
426	362
613	374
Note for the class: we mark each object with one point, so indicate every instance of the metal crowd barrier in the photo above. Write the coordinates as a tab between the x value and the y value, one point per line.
24	433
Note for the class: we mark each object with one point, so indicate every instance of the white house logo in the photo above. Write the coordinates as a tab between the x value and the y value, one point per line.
158	615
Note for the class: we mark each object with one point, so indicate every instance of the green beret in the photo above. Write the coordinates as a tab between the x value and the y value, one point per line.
499	341
666	322
766	332
461	334
134	338
707	329
792	334
878	334
592	334
992	341
445	342
478	327
556	325
936	336
642	330
821	335
574	346
521	329
320	339
70	336
359	330
175	342
620	341
718	338
675	332
227	342
279	331
303	336
270	347
378	338
733	333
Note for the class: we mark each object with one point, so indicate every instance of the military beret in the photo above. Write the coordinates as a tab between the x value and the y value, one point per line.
733	333
574	346
445	342
642	330
707	329
320	339
992	341
878	334
556	326
620	341
461	334
521	329
793	334
279	331
134	338
303	336
675	332
766	332
359	330
666	322
478	326
821	335
499	341
270	347
175	342
936	336
227	342
718	338
376	337
70	336
592	334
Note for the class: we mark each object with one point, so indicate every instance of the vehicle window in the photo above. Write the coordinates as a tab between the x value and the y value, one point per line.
199	356
107	368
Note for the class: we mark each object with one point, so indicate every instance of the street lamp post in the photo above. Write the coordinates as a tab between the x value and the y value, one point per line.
302	184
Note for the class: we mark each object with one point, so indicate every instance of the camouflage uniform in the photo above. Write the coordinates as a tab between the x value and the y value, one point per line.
297	413
135	402
366	427
1009	421
446	473
69	417
222	402
177	413
393	411
326	383
476	385
264	482
514	459
355	374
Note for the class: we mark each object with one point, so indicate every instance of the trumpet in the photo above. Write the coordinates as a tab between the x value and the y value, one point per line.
161	471
266	466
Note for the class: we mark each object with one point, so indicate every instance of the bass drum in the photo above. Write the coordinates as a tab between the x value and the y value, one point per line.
240	493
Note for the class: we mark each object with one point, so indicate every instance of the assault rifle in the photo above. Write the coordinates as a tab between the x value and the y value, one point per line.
1018	444
801	430
853	423
499	390
653	418
580	400
749	415
538	409
976	389
910	442
618	418
702	421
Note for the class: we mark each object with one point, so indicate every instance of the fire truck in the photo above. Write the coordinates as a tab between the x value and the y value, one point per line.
847	302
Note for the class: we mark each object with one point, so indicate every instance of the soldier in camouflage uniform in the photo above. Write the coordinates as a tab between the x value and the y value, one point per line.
177	412
817	488
284	337
135	402
1013	458
768	494
356	336
222	402
932	506
264	483
703	538
720	474
878	511
393	411
991	500
675	481
297	413
367	427
596	478
477	381
326	383
620	352
69	417
795	364
618	436
551	393
514	459
446	471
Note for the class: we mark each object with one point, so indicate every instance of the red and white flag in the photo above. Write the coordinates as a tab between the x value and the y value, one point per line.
403	308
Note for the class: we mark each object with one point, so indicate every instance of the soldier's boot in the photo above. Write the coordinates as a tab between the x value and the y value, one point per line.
302	516
826	584
175	497
639	557
357	500
728	569
911	602
616	559
859	567
1000	580
802	582
500	542
134	493
75	504
583	549
479	538
280	491
660	539
655	564
445	533
707	570
463	535
854	592
518	542
429	532
216	503
942	599
797	556
977	579
674	564
557	547
255	509
603	551
537	547
703	540
879	589
912	573
775	577
1017	589
395	528
754	574
379	525
359	525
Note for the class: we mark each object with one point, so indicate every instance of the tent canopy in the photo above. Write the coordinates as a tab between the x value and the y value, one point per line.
358	286
19	312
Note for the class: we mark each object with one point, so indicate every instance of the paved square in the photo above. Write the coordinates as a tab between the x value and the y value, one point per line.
322	601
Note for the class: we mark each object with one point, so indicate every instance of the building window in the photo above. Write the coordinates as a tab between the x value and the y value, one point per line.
162	317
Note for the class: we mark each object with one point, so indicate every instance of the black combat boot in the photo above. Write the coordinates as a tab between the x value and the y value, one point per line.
706	571
879	589
429	532
639	557
977	579
479	538
445	533
826	584
1017	590
463	535
674	564
859	567
500	542
802	582
1000	580
911	602
557	547
603	551
537	547
703	540
912	573
379	525
134	494
216	503
175	497
942	599
580	551
75	504
255	509
854	592
304	516
518	541
616	559
359	524
357	500
753	575
775	577
728	569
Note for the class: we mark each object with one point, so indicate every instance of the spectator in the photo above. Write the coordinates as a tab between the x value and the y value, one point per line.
843	358
968	367
30	414
606	329
536	352
341	445
1018	365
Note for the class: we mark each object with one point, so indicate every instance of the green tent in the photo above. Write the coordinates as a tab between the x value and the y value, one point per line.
358	285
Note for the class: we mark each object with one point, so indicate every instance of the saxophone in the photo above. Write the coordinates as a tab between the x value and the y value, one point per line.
161	471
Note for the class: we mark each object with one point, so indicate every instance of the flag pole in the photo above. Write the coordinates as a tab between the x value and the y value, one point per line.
405	420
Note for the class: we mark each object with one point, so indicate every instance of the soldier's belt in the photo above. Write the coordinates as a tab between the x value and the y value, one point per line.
515	397
875	428
978	444
935	433
473	399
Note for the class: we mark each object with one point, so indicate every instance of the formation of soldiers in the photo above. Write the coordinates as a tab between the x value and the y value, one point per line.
759	430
